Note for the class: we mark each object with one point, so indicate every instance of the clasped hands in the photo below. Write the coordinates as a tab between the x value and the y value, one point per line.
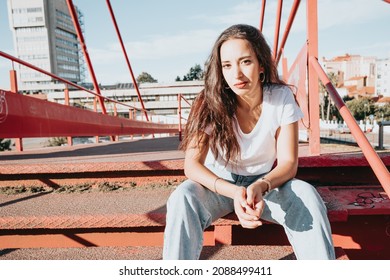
249	205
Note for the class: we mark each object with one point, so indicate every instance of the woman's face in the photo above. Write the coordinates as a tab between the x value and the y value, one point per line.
240	67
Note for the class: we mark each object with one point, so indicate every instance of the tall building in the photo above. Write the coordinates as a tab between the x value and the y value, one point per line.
44	36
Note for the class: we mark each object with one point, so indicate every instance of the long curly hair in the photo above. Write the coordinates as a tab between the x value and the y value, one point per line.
214	107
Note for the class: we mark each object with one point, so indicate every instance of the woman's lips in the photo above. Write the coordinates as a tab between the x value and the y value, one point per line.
240	85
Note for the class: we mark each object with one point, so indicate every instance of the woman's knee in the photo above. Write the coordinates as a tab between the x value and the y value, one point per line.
308	194
184	194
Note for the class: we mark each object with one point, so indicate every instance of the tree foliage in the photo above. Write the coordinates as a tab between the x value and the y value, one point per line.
5	144
195	73
383	112
326	101
361	108
145	77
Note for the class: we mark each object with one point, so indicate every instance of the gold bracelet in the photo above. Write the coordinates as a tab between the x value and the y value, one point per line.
268	182
215	184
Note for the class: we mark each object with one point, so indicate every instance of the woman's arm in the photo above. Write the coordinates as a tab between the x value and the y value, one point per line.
286	168
286	154
195	170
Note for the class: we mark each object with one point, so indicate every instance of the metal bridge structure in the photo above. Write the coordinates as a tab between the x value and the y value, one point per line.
23	116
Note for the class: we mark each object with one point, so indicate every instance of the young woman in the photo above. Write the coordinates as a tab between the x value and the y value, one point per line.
244	121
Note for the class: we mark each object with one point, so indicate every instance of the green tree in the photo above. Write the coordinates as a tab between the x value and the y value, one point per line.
195	73
145	77
5	144
361	108
326	101
57	141
382	112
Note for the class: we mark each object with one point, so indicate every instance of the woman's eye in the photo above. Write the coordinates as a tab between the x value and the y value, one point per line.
246	61
226	66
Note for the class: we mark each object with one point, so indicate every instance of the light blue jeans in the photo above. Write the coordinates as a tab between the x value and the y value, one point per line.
296	206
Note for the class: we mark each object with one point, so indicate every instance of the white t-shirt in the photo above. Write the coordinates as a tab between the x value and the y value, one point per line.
258	148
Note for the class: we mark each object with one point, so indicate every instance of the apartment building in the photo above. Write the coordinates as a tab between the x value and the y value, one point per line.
44	35
382	83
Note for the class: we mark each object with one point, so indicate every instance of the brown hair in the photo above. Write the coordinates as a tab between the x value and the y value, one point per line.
216	105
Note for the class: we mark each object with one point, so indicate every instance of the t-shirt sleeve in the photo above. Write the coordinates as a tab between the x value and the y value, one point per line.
291	111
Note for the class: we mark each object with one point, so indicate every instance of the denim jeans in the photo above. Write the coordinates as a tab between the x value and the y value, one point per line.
296	206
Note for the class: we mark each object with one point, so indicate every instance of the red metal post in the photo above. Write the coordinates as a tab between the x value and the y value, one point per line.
314	111
14	88
372	157
277	26
95	110
290	21
285	69
66	91
262	12
179	115
127	59
76	23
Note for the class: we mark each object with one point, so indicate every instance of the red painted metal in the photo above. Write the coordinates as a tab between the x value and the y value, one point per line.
14	59
179	114
297	76
32	117
290	21
14	88
314	111
372	157
277	26
262	14
76	24
127	59
66	92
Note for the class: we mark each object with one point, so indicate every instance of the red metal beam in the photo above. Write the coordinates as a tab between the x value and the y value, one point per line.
290	21
262	15
314	104
14	89
277	26
27	116
76	24
372	157
12	58
127	59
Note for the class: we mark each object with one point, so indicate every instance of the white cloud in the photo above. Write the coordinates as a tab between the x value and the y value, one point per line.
245	12
334	13
158	47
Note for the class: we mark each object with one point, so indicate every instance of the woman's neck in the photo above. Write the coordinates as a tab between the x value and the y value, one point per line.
250	103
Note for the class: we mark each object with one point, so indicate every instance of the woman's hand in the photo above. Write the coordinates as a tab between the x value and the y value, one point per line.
248	213
254	197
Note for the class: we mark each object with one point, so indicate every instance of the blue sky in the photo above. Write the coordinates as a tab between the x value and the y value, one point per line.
166	38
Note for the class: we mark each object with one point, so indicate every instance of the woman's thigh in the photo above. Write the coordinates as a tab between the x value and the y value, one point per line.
193	197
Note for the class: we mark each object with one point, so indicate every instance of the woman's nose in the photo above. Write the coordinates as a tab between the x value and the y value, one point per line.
237	72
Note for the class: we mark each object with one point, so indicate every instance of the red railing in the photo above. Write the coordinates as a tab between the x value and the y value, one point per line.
308	57
25	116
372	157
180	98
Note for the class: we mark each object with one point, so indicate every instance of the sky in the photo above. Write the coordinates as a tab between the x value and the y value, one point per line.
166	38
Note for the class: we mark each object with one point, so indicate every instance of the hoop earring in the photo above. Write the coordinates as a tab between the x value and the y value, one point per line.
262	77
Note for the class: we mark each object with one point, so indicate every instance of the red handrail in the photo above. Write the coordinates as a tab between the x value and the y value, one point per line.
14	59
372	157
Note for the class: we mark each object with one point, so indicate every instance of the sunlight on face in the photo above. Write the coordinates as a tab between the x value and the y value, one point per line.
240	66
